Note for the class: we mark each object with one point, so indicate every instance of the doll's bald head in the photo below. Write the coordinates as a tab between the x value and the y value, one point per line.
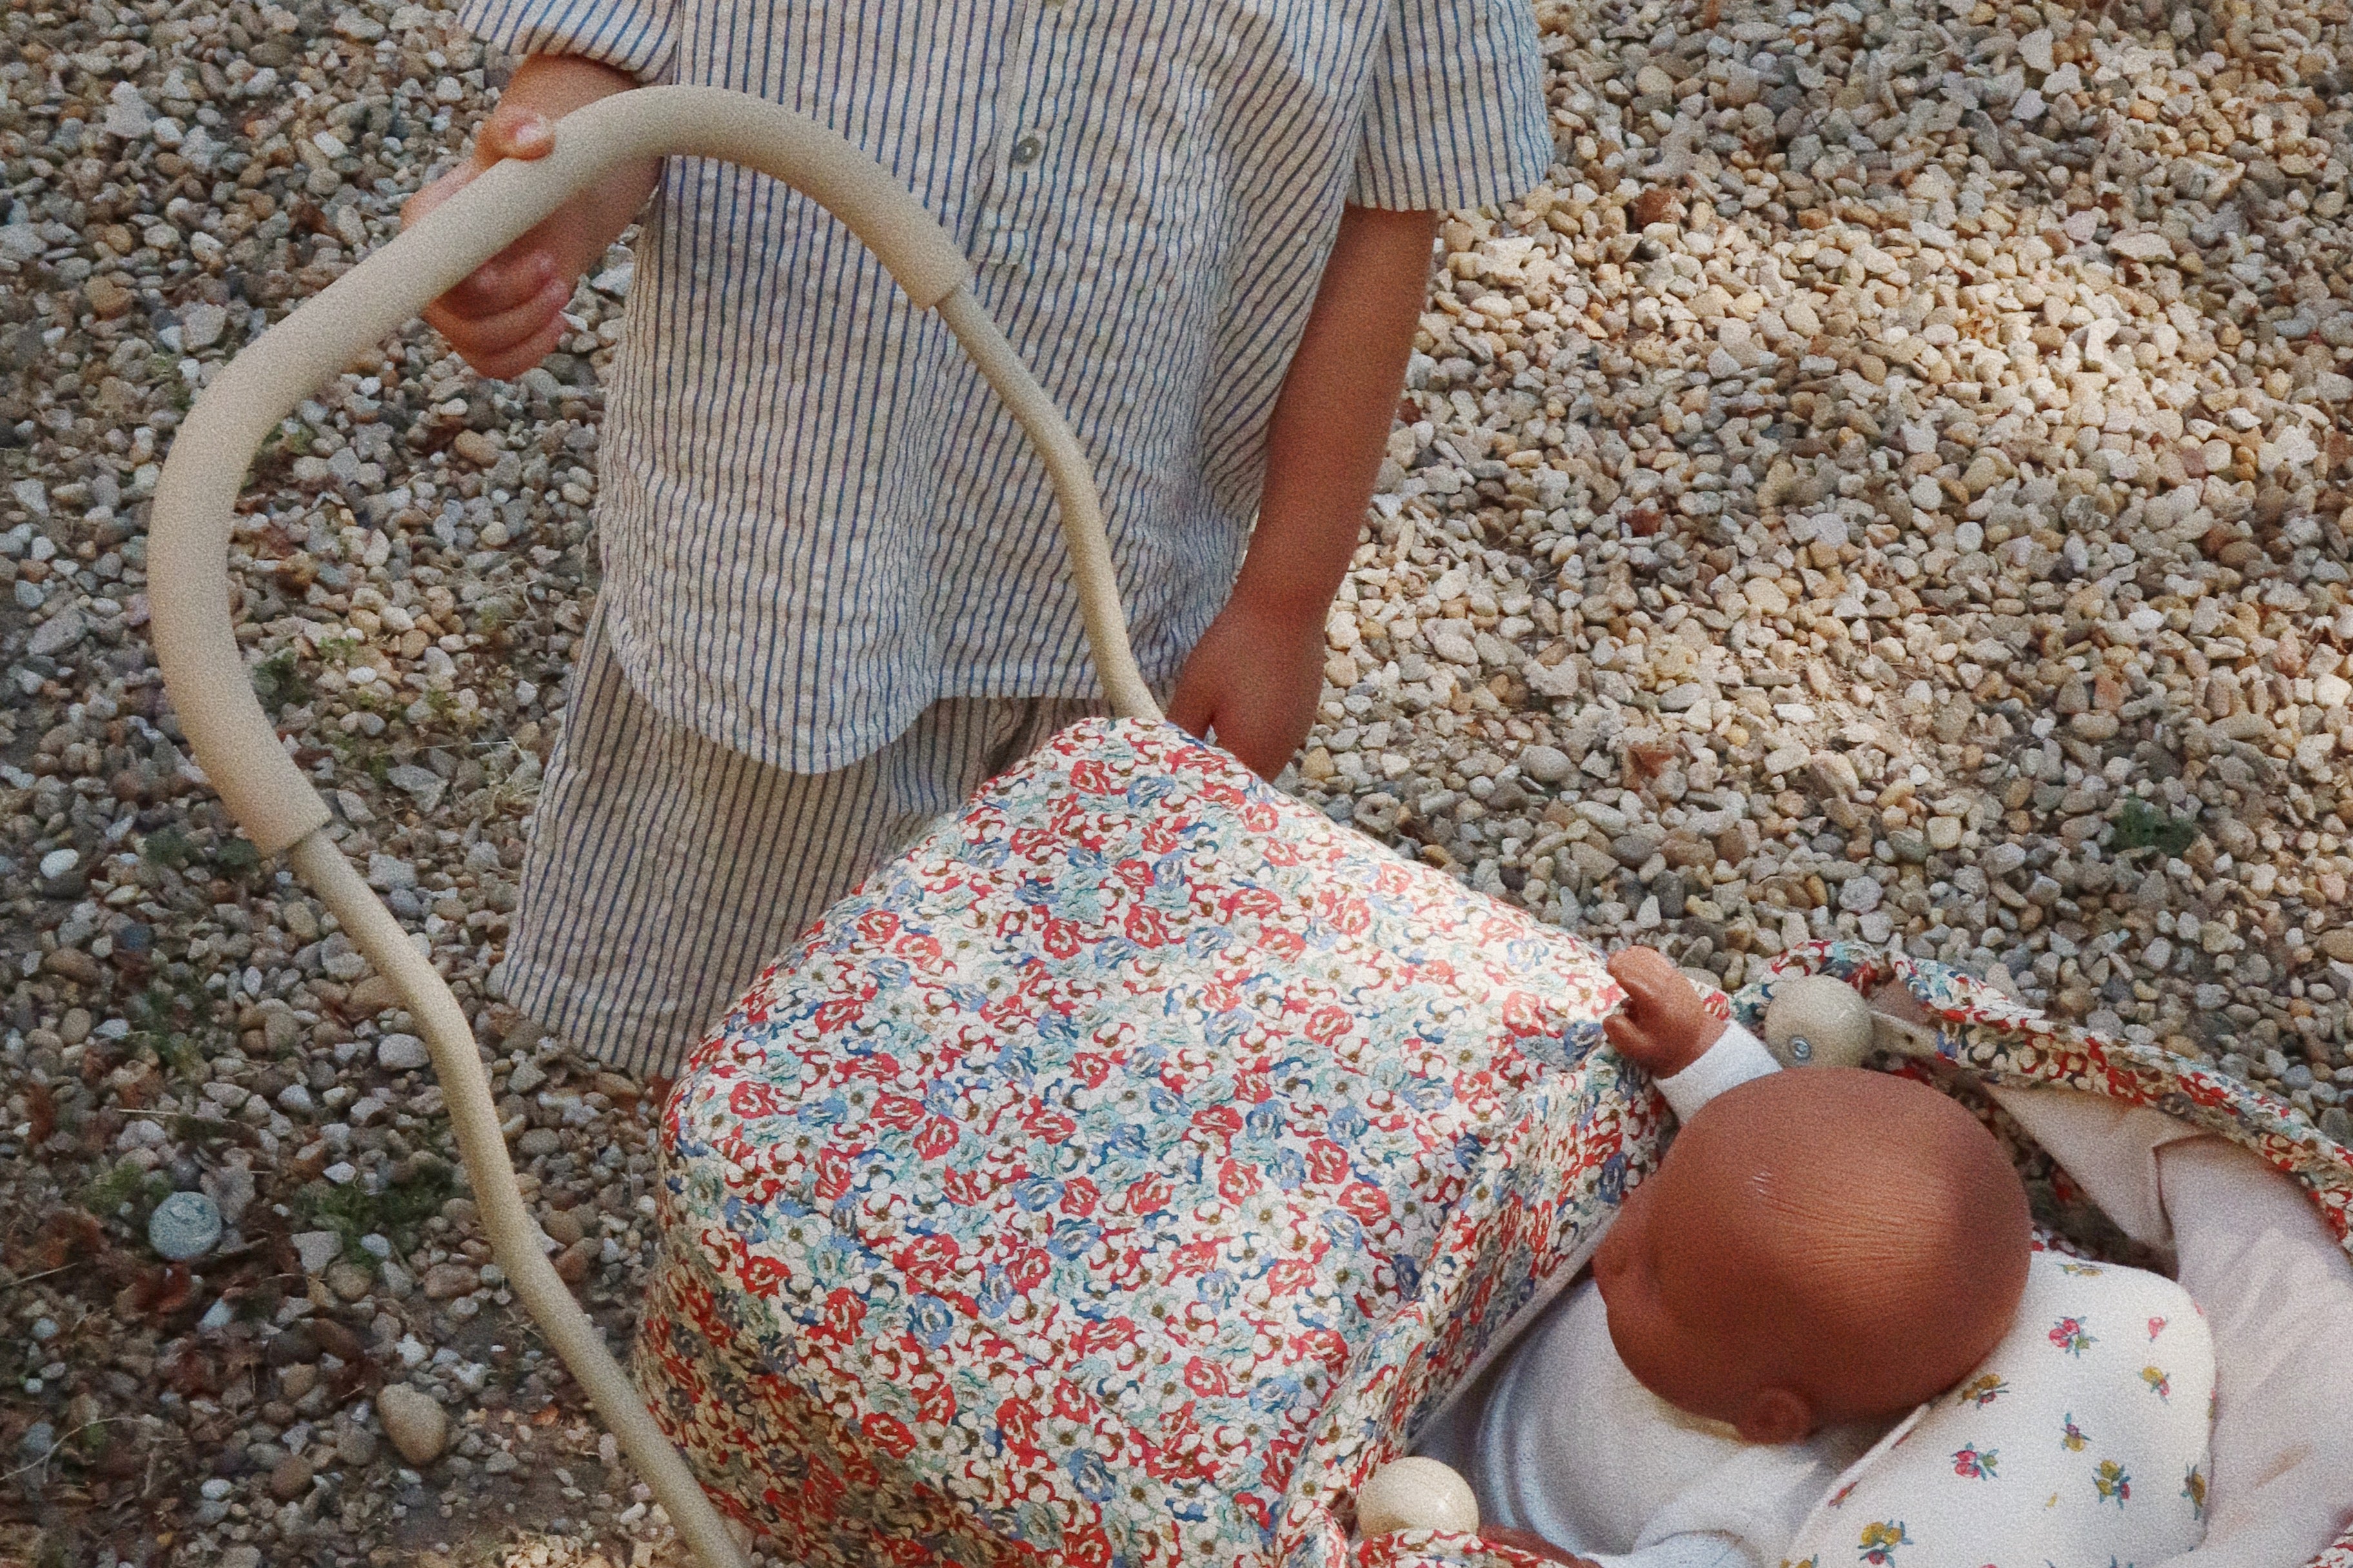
1819	1245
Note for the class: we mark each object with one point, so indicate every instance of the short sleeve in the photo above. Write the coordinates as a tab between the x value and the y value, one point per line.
1456	115
632	36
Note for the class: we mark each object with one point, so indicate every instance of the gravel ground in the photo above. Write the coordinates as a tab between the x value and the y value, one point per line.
1887	484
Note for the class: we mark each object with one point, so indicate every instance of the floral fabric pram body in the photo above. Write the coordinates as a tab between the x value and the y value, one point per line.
1122	1175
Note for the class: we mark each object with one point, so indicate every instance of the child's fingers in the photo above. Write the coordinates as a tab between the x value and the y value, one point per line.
507	281
1190	708
506	366
518	134
482	339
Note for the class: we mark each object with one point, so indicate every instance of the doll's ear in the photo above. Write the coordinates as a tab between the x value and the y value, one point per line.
1776	1415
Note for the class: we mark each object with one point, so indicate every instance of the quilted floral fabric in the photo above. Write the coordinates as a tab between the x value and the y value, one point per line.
1122	1167
1118	1177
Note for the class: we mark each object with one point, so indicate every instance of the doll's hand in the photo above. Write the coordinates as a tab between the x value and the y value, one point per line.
1663	1028
1535	1545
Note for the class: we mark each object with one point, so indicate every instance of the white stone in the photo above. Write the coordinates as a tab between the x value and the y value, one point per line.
317	1248
2294	449
201	326
184	1226
402	1053
56	634
127	114
386	873
1545	764
1454	649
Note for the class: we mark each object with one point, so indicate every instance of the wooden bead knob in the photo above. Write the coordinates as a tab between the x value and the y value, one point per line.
1415	1494
1815	1021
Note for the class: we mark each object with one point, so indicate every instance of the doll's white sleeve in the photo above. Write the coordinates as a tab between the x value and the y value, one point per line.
1736	1056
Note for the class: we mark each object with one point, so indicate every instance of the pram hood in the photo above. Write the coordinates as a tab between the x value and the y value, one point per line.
1124	1174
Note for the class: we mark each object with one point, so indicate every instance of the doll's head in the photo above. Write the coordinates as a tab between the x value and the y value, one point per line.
1817	1246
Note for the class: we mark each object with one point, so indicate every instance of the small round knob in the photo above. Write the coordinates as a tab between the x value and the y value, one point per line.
1815	1021
1415	1494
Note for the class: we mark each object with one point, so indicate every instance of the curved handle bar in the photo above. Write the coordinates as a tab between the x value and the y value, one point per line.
188	547
235	743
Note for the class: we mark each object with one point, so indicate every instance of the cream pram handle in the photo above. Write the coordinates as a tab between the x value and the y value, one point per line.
239	748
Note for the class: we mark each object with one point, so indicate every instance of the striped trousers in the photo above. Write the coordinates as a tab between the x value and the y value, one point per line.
666	871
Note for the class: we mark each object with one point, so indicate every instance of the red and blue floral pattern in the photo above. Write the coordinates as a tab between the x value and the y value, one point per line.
1119	1176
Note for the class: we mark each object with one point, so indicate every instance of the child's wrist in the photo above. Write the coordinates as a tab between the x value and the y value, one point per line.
1281	607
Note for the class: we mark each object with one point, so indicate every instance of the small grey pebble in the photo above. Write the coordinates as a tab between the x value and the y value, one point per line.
184	1226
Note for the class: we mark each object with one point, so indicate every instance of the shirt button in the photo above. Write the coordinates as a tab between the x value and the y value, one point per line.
1025	151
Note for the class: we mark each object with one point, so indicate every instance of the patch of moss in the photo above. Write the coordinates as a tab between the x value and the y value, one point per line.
168	848
2140	825
174	1021
279	683
396	1212
237	857
126	1183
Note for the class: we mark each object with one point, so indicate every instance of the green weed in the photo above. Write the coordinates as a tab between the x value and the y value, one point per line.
396	1213
2140	825
168	848
279	683
125	1184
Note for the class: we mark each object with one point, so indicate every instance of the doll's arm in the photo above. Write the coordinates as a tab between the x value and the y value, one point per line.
1663	1028
1736	1056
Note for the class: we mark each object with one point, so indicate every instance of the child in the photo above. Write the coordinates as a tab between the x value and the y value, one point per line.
834	597
1820	1252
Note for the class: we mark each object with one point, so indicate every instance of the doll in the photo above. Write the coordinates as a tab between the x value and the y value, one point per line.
1817	1254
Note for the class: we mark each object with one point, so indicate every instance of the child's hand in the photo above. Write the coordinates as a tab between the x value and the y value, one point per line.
1254	678
507	315
1663	1028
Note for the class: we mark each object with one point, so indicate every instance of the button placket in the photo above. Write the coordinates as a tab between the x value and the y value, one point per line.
1022	137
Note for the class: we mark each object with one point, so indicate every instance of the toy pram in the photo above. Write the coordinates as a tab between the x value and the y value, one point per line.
1123	1174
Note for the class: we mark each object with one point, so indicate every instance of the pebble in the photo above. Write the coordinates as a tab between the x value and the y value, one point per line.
356	1446
402	1053
373	995
414	1421
290	1478
184	1226
1545	764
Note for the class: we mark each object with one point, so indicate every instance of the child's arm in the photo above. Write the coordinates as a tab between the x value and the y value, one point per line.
1258	672
504	318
